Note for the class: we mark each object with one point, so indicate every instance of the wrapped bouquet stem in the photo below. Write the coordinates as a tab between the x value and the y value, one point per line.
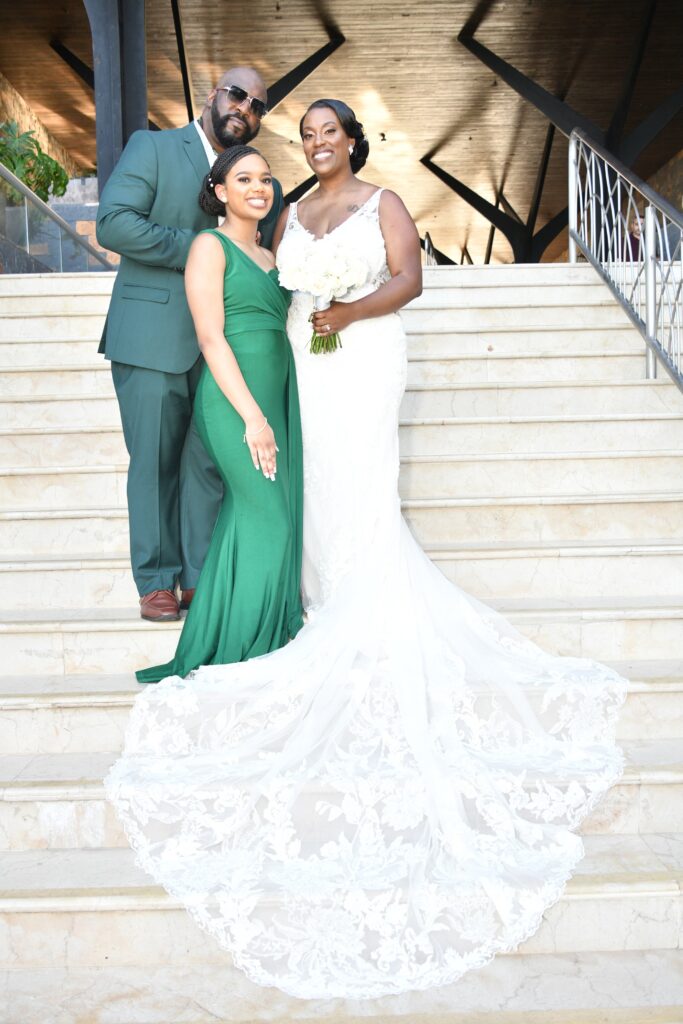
326	271
323	342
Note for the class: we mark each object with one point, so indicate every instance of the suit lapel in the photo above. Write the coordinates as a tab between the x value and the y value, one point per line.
195	151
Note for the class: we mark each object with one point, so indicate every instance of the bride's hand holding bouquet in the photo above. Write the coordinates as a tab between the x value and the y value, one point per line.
327	323
327	271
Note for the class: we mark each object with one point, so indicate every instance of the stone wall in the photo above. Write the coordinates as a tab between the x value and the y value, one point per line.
13	107
668	181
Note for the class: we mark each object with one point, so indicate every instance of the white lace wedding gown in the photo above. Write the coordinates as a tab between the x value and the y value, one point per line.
389	800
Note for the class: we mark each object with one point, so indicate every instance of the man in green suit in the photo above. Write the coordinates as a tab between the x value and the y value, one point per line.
149	214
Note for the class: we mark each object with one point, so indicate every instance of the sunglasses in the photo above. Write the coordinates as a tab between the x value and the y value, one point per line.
239	95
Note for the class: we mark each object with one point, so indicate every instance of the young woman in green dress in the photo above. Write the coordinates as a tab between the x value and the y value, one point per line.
246	409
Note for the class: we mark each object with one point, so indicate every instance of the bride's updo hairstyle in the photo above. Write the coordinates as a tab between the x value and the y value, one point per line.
208	200
352	127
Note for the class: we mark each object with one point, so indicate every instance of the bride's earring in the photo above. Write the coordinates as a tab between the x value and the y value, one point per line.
351	148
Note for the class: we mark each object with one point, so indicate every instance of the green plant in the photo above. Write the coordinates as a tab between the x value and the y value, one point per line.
21	153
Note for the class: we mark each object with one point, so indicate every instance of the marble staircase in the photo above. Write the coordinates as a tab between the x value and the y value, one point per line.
540	471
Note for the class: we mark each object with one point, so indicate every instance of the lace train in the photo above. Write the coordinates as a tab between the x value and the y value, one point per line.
357	819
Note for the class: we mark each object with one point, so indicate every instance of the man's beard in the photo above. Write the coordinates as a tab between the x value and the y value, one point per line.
223	135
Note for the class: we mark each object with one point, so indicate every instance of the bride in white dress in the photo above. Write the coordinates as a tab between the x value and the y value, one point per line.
391	799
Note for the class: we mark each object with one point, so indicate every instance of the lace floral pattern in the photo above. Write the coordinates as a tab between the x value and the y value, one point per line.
389	800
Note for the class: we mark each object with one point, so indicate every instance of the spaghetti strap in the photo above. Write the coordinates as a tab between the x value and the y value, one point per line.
292	214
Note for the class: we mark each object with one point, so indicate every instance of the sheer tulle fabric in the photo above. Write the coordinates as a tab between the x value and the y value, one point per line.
389	800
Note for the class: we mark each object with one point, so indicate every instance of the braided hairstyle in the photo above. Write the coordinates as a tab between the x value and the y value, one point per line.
208	200
352	128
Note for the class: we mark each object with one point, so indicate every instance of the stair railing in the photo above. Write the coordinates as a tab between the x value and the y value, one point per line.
632	236
430	259
32	226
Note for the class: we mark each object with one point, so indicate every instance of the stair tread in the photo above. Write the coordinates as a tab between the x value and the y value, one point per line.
661	383
418	421
446	459
129	617
616	987
659	761
559	499
648	675
519	456
613	865
436	421
32	562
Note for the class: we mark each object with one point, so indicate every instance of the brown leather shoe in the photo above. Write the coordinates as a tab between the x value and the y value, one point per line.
159	606
186	599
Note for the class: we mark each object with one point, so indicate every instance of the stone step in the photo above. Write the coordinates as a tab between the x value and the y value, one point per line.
69	446
604	628
536	399
19	328
434	319
84	370
39	501
87	713
99	283
56	801
458	295
449	295
628	987
553	570
586	517
448	436
100	408
49	382
67	532
40	582
58	487
103	446
49	353
38	412
510	275
625	895
66	641
78	302
528	367
515	338
86	319
539	474
498	565
586	987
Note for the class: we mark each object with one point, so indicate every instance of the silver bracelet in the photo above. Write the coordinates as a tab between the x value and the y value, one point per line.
259	431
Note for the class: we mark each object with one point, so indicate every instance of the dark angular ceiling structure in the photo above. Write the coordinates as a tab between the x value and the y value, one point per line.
465	103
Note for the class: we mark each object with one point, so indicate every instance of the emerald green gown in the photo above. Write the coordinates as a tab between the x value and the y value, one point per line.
247	600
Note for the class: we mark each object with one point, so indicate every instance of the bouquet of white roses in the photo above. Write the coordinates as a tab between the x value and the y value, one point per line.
326	271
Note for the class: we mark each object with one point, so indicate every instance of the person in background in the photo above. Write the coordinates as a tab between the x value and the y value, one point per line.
632	242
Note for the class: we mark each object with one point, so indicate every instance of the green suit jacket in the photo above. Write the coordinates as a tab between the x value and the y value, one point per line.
149	213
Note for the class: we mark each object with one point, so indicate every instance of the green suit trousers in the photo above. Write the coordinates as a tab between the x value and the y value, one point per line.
174	490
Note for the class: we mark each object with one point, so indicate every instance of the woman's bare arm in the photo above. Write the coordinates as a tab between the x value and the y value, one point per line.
204	274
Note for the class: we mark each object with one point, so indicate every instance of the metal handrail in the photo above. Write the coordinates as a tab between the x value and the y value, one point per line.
643	271
19	186
428	249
